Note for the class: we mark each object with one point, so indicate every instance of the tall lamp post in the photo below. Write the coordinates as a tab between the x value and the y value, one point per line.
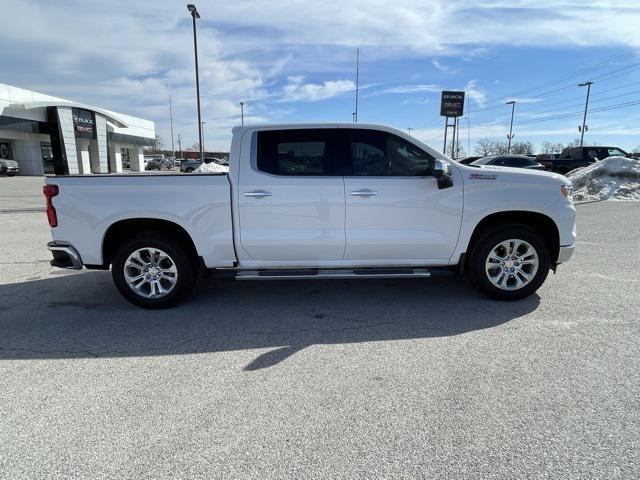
586	106
510	136
194	14
202	124
242	113
355	114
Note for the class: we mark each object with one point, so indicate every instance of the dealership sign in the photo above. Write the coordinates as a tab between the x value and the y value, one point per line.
452	104
84	123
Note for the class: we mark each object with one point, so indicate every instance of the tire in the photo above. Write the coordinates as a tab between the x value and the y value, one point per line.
189	170
176	271
487	272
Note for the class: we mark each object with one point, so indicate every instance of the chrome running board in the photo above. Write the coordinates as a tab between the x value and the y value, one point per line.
322	274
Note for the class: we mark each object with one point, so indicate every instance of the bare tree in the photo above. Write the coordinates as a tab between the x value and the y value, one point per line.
158	143
548	147
484	147
522	148
500	148
460	152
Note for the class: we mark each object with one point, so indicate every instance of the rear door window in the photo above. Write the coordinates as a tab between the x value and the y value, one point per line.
308	152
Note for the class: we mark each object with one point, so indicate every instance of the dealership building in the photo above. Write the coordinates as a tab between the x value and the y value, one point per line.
46	134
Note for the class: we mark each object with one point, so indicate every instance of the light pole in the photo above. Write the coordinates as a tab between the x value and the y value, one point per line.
202	124
242	113
194	14
510	136
173	148
409	129
586	106
355	114
180	145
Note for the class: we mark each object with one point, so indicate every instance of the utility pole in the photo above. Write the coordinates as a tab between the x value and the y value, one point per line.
180	145
355	114
586	106
242	113
173	147
194	14
510	136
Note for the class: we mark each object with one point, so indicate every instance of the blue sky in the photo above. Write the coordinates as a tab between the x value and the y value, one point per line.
294	61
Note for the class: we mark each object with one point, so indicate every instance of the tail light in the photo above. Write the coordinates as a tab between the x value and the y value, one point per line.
51	191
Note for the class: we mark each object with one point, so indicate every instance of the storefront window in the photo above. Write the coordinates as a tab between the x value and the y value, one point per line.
5	150
48	161
126	159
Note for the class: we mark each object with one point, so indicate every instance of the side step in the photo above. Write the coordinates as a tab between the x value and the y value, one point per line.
310	274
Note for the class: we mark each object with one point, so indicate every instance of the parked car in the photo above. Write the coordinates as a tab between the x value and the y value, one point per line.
516	161
467	160
9	167
158	164
577	157
189	166
316	201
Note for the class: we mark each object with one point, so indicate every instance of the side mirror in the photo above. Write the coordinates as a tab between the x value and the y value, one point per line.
442	173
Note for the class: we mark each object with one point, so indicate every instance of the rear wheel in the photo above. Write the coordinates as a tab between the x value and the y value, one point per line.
154	270
189	170
510	262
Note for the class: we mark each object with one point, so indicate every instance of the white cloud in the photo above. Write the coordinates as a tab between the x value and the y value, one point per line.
521	100
298	91
476	93
440	66
420	88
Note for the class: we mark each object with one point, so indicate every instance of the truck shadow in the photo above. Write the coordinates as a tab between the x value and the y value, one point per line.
83	316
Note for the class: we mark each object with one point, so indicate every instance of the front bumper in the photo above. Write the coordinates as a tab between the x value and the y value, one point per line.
64	255
565	253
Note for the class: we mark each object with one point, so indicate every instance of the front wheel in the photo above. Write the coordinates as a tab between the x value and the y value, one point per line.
154	270
510	262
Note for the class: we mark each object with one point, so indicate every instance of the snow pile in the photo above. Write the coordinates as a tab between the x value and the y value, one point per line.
612	178
211	168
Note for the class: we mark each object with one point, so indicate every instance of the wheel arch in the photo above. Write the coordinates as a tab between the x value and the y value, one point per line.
537	221
125	229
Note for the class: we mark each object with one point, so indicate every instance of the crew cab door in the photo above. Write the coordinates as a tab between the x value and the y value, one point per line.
291	198
394	208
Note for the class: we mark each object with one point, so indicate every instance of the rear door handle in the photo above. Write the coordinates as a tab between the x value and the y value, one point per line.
257	194
363	193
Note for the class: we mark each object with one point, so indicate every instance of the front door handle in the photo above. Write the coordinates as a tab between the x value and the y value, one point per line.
257	194
363	193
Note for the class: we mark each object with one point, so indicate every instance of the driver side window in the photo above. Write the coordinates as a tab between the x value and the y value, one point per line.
381	154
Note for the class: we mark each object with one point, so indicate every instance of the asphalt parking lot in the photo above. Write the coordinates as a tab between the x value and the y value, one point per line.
323	379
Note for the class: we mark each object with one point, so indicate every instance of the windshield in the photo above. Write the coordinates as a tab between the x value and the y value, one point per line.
483	161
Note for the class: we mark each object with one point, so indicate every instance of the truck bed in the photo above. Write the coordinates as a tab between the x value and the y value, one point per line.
87	205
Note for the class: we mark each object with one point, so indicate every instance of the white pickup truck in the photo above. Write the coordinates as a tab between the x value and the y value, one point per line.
315	201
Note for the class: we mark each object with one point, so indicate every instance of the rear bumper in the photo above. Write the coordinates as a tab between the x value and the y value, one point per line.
565	253
64	255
